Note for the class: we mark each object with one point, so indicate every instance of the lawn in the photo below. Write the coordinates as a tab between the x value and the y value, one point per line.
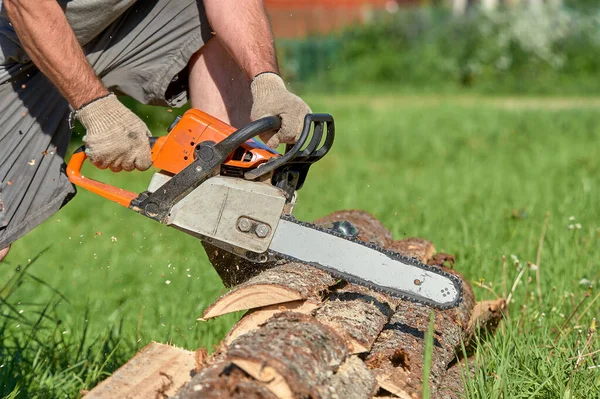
477	176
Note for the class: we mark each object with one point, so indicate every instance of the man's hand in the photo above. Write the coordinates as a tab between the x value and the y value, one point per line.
115	137
270	97
246	34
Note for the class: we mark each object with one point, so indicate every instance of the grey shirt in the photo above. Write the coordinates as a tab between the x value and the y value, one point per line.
87	18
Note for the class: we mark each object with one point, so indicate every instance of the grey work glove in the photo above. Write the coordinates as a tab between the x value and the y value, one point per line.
115	137
270	97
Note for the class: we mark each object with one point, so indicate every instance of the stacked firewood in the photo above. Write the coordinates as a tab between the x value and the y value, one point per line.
308	335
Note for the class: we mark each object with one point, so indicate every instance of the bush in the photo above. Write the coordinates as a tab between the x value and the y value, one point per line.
546	50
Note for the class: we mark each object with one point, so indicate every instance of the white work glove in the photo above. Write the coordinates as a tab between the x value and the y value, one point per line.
271	98
115	137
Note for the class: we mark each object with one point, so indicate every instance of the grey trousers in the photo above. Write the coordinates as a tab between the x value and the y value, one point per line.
141	54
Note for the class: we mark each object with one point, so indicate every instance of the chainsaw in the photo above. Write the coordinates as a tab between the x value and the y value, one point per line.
226	188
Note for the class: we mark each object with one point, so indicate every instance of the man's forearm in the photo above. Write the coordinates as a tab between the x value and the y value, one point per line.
245	32
48	39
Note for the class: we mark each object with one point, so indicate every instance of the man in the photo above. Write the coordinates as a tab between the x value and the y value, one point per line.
63	55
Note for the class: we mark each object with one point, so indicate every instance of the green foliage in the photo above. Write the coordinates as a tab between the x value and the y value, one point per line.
591	4
428	356
546	50
39	356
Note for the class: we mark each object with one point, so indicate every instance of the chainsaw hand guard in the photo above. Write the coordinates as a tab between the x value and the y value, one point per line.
299	153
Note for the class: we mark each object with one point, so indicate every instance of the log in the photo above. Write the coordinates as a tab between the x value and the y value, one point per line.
486	316
304	352
224	380
369	228
257	317
354	314
397	355
418	248
453	383
280	284
308	335
291	355
358	314
353	380
157	371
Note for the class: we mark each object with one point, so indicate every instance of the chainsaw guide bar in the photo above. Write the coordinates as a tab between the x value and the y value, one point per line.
394	256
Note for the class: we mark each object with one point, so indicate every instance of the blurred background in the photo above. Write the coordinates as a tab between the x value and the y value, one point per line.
495	46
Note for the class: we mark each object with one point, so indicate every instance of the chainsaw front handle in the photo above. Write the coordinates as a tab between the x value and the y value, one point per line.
115	194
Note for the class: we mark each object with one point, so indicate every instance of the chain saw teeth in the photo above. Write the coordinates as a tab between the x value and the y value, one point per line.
391	254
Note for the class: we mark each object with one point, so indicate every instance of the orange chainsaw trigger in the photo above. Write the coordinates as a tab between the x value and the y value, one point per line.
174	152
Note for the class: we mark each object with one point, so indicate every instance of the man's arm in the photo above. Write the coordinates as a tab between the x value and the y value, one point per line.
115	137
48	39
245	32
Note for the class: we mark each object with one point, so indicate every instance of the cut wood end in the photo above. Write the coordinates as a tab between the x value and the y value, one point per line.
442	259
267	375
157	369
355	347
385	383
250	297
255	318
485	311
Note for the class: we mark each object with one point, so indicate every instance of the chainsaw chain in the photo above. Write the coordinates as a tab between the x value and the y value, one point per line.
391	254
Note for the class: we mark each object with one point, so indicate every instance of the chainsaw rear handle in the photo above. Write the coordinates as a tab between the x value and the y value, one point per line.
299	153
221	151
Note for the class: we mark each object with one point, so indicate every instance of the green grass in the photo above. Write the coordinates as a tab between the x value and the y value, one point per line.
476	177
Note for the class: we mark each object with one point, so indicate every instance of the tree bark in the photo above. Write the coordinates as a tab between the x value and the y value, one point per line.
224	380
370	229
280	284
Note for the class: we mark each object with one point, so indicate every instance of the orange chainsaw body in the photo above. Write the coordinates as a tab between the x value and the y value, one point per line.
173	152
